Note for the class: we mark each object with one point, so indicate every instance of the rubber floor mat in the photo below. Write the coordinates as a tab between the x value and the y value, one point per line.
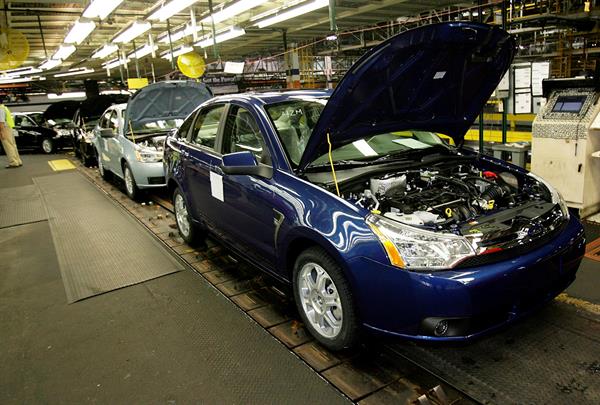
551	357
21	205
99	247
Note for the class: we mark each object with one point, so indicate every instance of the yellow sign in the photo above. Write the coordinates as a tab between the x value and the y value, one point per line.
191	64
137	83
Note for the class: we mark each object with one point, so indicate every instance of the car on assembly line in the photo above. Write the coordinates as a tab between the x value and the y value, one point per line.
129	137
29	135
351	198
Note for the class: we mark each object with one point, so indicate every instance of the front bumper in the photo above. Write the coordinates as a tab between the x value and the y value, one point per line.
148	175
478	300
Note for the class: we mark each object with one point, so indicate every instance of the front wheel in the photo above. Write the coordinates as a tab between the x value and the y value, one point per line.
130	186
187	229
324	299
47	145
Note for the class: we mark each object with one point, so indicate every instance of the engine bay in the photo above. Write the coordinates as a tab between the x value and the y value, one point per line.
449	197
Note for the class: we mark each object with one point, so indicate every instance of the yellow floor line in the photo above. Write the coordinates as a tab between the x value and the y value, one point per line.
579	303
61	164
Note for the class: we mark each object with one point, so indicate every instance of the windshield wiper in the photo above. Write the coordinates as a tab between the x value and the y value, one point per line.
338	163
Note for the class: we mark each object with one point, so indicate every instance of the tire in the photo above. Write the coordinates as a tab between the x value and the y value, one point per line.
319	279
103	172
188	231
131	187
47	146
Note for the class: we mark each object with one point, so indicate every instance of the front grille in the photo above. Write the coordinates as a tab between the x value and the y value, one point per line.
156	180
514	248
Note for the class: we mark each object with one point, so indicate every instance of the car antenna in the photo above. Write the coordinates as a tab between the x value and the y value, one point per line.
337	189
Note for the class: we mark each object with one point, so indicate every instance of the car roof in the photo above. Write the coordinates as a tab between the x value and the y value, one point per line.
271	97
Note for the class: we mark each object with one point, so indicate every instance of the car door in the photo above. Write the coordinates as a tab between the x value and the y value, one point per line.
109	146
248	219
200	156
27	136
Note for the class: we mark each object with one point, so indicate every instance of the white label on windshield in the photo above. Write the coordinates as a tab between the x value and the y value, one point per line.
364	148
216	186
439	75
411	143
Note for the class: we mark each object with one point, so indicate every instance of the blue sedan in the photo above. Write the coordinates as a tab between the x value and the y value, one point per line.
353	199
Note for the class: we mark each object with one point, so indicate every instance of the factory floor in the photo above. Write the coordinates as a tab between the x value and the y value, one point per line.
172	335
171	339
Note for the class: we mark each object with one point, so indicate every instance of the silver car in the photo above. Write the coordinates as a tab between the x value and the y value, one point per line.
129	137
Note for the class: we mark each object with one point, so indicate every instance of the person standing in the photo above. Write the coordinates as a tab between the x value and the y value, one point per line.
7	137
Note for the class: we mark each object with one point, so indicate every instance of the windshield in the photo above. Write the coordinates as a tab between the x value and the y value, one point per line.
160	125
295	120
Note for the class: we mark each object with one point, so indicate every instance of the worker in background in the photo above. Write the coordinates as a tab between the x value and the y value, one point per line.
7	137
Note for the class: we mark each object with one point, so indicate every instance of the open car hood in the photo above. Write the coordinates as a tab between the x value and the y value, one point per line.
433	78
61	109
165	100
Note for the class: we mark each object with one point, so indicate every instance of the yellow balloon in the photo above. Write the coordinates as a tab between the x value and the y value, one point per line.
191	64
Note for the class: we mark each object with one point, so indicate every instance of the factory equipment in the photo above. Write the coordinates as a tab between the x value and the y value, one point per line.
566	141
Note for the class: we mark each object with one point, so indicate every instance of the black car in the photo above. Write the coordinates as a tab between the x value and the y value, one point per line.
31	136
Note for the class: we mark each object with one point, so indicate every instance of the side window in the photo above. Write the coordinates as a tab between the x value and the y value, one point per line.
105	119
183	130
113	120
28	122
19	121
242	134
206	126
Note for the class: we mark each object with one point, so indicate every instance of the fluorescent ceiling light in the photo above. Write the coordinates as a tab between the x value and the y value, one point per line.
75	72
292	12
113	63
142	51
172	7
64	51
231	33
72	94
182	50
101	8
177	35
133	31
105	51
20	71
79	32
231	11
50	64
128	93
16	80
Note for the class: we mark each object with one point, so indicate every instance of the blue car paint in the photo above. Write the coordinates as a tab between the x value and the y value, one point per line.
389	300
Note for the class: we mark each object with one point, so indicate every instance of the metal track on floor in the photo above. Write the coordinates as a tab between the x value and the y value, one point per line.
370	374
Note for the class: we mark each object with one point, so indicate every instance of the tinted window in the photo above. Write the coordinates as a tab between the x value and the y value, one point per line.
185	127
206	126
242	134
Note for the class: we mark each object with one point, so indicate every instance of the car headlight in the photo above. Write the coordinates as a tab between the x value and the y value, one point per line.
62	132
557	198
148	155
416	249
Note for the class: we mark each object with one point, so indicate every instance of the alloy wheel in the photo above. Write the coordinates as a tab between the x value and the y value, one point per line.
47	145
320	300
181	215
129	181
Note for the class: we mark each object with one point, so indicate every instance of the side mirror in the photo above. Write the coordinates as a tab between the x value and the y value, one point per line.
107	133
245	163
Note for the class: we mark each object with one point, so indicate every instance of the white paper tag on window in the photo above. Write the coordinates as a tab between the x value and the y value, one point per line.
412	143
364	148
439	75
216	186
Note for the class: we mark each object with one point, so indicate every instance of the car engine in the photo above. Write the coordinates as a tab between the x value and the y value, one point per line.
443	197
